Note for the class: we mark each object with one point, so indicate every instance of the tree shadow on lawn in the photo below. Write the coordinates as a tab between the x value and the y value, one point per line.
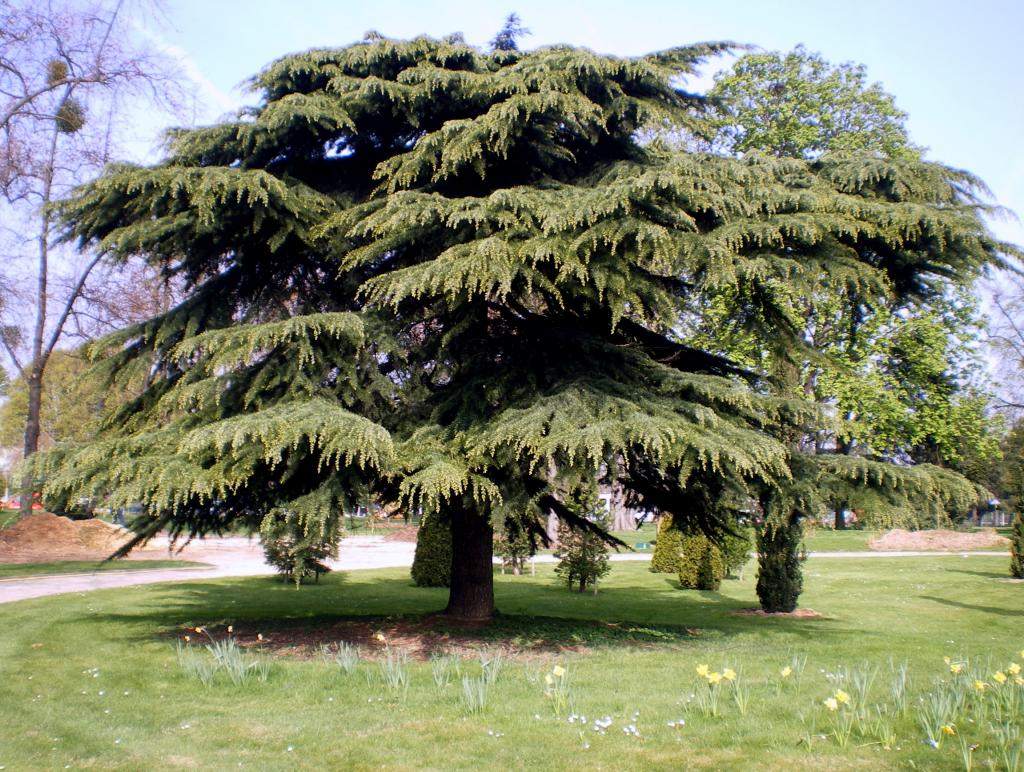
532	618
984	574
996	610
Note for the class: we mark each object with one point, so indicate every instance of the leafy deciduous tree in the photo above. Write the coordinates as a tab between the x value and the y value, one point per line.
895	370
797	105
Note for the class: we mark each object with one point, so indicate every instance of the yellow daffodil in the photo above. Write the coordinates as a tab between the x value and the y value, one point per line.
549	680
831	704
558	670
946	660
259	636
1019	680
379	636
187	639
981	686
200	630
729	674
947	729
231	629
1022	652
714	678
999	678
955	668
702	671
786	672
1014	668
842	697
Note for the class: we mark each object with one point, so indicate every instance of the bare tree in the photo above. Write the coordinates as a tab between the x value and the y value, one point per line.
1006	339
66	71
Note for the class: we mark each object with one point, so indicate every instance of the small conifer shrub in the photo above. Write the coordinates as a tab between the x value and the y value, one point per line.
432	564
583	555
667	547
298	555
701	566
779	578
1017	547
514	547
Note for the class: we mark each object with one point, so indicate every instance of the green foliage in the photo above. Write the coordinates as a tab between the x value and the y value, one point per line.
299	554
1009	480
897	375
701	565
779	578
582	552
465	280
800	105
735	549
514	546
1017	547
73	401
667	547
432	563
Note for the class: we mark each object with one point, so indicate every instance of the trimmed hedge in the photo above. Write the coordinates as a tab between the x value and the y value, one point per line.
667	547
779	578
701	566
432	564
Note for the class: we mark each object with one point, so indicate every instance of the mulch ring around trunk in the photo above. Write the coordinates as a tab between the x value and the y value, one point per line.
421	637
800	613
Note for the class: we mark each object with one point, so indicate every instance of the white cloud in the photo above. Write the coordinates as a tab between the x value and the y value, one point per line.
210	94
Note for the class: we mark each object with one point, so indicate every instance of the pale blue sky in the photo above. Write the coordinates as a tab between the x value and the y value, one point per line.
955	67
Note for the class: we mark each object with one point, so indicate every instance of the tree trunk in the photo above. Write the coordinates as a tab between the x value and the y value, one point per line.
622	518
32	424
471	595
841	517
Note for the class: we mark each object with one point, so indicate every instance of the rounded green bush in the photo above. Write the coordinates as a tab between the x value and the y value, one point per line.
432	564
735	550
667	547
701	566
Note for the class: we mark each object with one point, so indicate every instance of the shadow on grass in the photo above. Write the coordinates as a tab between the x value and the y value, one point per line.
996	610
532	615
984	574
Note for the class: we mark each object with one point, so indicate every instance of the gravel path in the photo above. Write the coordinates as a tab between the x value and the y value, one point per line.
235	556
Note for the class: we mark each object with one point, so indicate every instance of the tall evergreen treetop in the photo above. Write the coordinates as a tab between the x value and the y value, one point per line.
460	279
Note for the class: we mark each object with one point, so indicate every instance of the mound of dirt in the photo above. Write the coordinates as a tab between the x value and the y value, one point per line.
939	540
404	533
45	537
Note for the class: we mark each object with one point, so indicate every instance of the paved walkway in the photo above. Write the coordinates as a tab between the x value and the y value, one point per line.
238	556
225	556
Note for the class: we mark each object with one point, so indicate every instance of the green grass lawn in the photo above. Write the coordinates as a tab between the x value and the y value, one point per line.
18	570
95	680
831	540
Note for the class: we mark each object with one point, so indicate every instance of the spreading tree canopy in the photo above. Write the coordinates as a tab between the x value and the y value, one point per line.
460	280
